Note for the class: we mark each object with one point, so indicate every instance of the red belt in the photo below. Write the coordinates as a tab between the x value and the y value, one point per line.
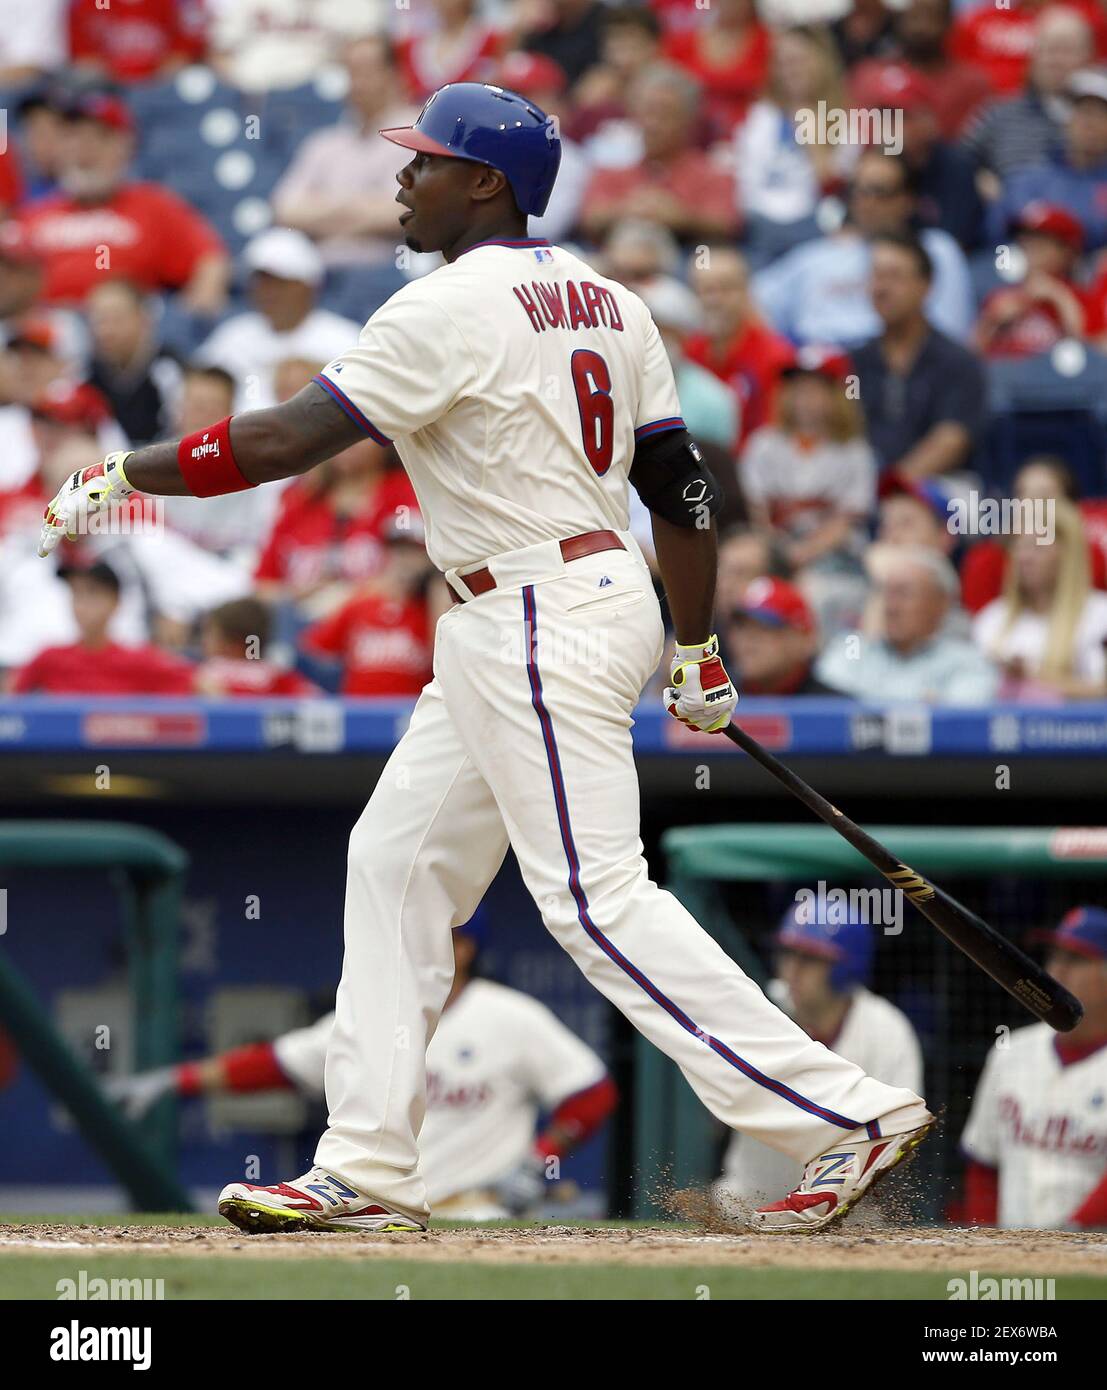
572	548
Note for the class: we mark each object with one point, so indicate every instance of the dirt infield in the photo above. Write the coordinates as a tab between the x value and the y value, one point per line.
916	1249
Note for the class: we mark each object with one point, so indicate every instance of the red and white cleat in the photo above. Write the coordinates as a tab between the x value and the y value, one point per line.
316	1202
836	1181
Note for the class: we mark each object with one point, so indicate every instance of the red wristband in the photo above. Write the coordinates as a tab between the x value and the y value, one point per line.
206	461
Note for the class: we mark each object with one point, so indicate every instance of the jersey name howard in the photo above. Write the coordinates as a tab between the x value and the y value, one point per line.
589	306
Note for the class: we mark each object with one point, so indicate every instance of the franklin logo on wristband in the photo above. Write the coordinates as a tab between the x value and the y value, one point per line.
206	450
206	461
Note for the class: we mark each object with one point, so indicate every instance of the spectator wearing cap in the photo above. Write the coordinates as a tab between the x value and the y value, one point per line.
1000	39
728	53
138	379
1076	177
1048	629
818	292
568	31
1045	305
234	638
274	45
954	89
922	393
340	187
746	553
102	224
942	175
781	178
1015	132
1039	479
32	40
457	46
917	658
381	635
771	638
139	41
673	183
285	274
95	664
735	342
810	478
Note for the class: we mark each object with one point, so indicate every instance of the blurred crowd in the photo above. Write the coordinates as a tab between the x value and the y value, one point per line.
873	234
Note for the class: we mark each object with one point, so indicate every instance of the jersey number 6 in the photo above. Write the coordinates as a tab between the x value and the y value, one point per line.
592	384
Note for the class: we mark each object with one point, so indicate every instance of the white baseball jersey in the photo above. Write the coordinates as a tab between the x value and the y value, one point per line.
497	1059
1043	1124
875	1035
515	382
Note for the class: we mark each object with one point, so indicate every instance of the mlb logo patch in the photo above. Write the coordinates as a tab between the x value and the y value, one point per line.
543	255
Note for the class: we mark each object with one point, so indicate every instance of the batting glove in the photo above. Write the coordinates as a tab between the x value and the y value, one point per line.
523	1187
700	693
136	1094
89	490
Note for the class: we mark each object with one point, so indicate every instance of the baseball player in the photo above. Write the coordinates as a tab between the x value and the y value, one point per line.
523	391
823	970
1036	1137
497	1058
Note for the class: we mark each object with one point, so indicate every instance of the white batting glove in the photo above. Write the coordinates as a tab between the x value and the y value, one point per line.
88	490
136	1094
700	693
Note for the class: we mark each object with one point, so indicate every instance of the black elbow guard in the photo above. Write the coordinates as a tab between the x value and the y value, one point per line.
671	478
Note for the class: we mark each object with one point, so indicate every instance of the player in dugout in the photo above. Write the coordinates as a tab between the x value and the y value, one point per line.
824	970
524	392
1036	1137
497	1059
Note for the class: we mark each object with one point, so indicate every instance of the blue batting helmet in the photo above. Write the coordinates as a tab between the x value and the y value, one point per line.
471	120
847	945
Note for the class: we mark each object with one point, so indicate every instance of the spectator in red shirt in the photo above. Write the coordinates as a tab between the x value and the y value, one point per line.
1045	304
95	665
728	52
674	183
382	634
135	40
234	638
459	48
998	39
736	344
956	89
103	224
330	528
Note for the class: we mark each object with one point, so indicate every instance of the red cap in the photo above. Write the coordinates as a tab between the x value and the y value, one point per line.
80	405
531	72
34	332
776	603
829	362
103	107
1050	219
897	85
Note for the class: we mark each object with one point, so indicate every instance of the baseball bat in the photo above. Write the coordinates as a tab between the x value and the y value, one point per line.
1011	968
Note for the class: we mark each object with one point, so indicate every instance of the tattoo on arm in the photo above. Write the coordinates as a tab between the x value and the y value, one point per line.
277	442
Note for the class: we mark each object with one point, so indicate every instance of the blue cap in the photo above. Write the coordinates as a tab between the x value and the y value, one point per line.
847	945
473	120
1083	930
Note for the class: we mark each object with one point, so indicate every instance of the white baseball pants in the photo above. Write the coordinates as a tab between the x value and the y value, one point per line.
523	737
